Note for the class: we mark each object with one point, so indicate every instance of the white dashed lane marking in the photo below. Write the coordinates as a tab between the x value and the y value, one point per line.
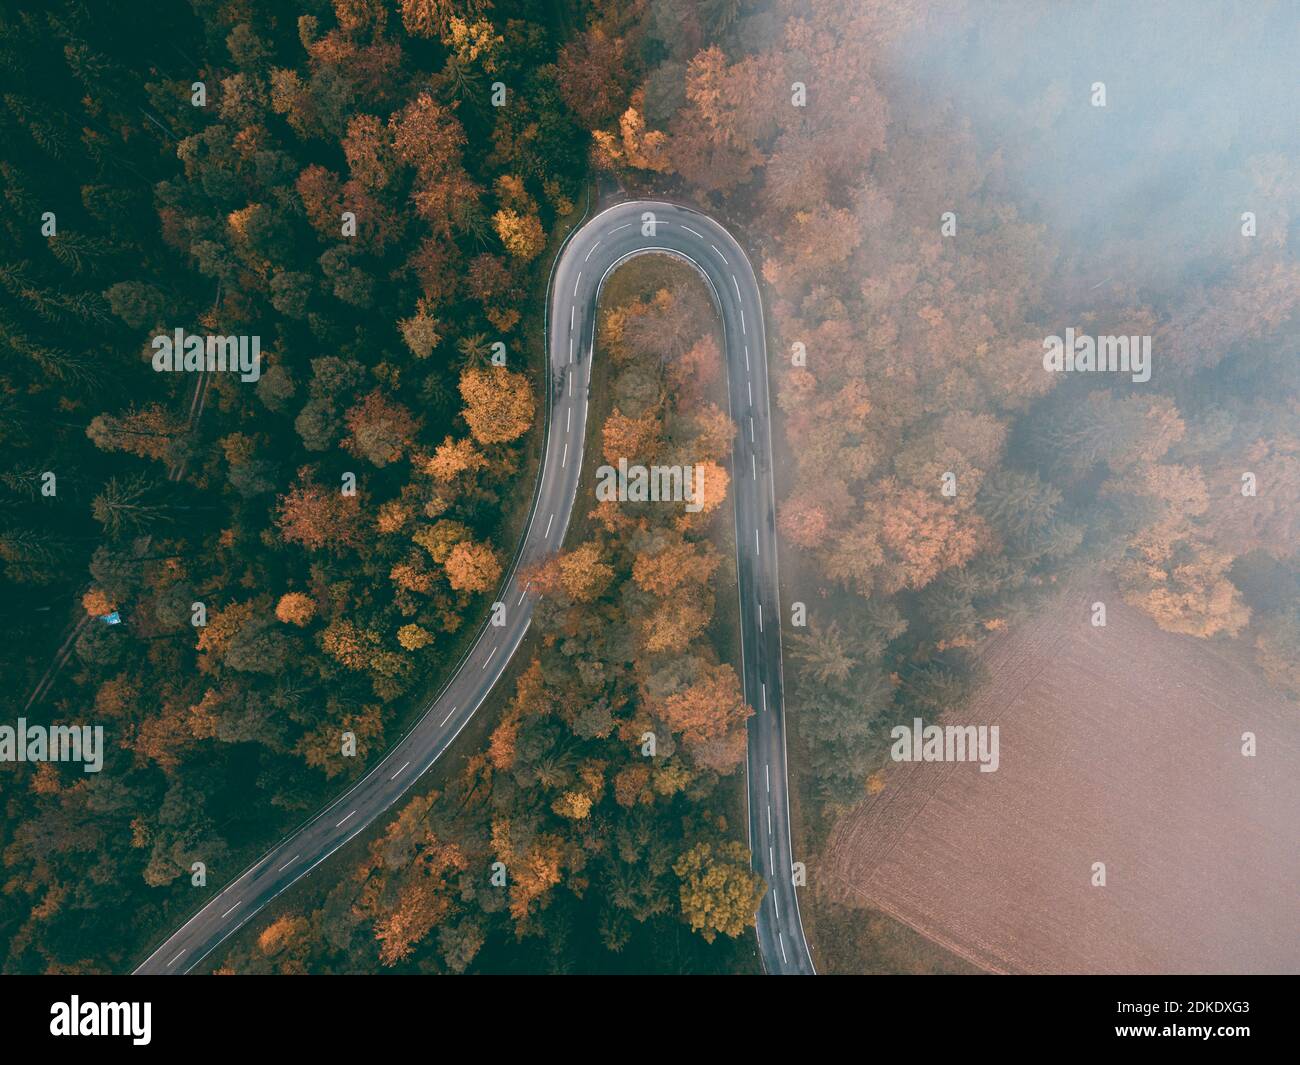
445	719
344	821
232	909
403	769
175	959
287	864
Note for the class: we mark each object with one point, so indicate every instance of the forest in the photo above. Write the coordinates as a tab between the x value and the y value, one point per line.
336	179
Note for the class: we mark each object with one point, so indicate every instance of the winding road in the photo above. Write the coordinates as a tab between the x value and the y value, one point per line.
587	258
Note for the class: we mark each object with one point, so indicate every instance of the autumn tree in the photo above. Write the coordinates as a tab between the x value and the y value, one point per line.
422	332
498	404
379	429
710	714
296	608
719	892
1186	589
149	432
593	76
670	562
581	574
472	567
521	234
316	517
452	458
429	138
630	438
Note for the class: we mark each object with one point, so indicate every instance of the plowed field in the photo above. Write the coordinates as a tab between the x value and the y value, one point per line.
1119	745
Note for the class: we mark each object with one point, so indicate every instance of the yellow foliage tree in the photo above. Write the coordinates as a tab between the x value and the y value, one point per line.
1187	590
574	805
281	933
412	637
440	537
719	891
521	234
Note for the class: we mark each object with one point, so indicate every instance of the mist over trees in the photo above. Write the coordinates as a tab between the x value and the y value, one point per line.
931	195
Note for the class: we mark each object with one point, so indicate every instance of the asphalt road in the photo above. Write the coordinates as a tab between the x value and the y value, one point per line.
586	260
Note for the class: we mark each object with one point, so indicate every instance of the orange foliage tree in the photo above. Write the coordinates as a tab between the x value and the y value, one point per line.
472	567
498	403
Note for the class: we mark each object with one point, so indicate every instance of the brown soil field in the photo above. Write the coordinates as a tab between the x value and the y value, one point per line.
1120	745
